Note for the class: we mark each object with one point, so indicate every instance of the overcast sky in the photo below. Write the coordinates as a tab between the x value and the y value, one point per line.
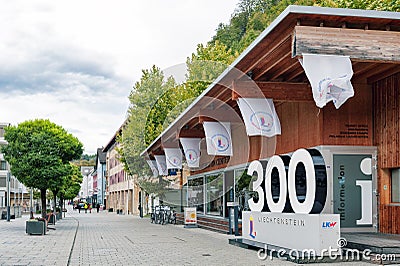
75	62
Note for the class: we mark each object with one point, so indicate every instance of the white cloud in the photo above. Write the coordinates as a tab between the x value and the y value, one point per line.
74	62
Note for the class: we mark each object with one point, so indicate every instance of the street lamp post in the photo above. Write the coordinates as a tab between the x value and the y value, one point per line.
8	197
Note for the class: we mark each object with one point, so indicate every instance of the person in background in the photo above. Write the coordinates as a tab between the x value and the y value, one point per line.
85	207
98	207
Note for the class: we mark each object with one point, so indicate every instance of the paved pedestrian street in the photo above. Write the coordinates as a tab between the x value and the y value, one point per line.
110	239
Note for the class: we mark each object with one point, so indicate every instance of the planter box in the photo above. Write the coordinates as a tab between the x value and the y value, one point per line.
35	227
51	219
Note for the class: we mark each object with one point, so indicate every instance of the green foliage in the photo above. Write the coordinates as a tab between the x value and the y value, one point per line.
206	65
156	188
38	152
72	183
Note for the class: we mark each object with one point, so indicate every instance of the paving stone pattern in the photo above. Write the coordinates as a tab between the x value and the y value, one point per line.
111	239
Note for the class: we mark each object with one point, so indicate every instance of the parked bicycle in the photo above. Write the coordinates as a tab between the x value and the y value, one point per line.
163	214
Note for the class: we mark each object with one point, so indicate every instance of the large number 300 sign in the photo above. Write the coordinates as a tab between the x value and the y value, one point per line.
304	171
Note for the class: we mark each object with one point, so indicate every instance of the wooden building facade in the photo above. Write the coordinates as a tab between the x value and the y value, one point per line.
367	125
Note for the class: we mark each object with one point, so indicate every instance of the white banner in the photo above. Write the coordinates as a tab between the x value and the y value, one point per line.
161	164
218	138
173	158
329	76
153	167
191	148
260	117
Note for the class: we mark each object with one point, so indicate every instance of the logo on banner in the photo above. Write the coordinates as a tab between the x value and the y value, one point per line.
262	121
174	160
220	142
192	156
252	232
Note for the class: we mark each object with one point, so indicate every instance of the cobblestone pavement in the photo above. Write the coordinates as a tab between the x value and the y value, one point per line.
110	239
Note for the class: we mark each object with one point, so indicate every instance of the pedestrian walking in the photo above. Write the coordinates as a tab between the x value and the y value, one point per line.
85	207
98	207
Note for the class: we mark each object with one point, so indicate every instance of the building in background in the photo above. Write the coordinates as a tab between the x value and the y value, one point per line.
86	191
123	193
100	171
19	195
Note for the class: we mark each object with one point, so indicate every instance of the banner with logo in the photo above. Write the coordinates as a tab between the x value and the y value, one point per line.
260	117
191	148
329	76
218	138
153	167
173	158
161	164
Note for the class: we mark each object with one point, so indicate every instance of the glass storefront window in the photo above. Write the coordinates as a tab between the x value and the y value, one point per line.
242	189
396	185
195	193
214	194
229	190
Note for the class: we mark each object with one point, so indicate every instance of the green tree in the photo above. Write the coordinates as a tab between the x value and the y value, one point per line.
72	185
39	153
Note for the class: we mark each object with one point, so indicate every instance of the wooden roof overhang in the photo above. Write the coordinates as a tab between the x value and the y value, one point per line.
270	66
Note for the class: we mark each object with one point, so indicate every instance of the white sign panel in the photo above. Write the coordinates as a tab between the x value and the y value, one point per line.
218	138
191	148
173	158
260	117
312	232
329	76
153	167
161	164
190	216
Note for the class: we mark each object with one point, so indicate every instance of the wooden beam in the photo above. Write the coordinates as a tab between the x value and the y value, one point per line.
362	45
220	115
278	91
380	76
273	58
190	133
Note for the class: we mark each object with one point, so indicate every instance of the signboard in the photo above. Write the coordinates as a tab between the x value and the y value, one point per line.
190	216
317	233
290	216
352	189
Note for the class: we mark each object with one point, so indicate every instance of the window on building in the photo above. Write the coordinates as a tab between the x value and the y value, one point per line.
196	193
214	194
3	165
396	185
229	189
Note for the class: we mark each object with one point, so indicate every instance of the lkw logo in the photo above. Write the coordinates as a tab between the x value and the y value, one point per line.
220	142
192	155
328	224
262	121
175	161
